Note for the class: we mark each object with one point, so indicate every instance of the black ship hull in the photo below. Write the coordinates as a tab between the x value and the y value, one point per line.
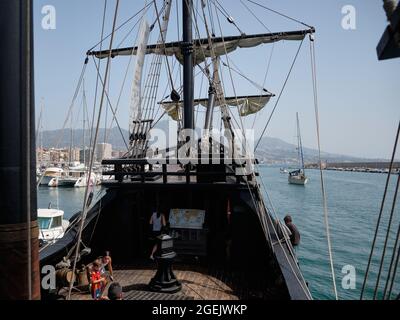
243	248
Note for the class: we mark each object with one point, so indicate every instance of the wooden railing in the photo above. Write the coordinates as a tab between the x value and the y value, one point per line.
137	168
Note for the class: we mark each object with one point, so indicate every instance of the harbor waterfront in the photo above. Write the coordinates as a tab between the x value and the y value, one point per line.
353	198
370	166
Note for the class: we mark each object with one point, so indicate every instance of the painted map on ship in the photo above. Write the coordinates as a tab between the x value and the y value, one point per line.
186	218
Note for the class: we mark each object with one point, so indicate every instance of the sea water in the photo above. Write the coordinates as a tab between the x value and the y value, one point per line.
353	202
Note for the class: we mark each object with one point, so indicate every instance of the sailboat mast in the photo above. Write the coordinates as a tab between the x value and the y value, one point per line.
187	50
19	232
300	146
39	132
70	142
84	123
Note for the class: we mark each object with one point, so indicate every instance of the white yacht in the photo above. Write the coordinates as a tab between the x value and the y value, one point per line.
49	174
70	178
52	226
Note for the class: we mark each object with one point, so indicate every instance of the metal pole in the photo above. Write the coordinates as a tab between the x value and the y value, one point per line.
210	107
19	243
187	50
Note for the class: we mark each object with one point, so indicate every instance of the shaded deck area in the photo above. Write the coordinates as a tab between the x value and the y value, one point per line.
197	284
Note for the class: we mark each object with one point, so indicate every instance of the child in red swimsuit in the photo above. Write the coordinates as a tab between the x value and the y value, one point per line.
97	281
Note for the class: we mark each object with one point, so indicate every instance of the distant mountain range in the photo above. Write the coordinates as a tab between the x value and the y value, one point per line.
274	150
62	138
270	150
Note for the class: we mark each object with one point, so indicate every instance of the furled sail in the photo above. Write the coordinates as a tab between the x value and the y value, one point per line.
247	104
135	108
202	49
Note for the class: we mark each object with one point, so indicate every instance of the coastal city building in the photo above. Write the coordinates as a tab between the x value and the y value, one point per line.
103	151
64	155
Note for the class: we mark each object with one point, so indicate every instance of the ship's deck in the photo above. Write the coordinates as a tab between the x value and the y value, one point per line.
196	285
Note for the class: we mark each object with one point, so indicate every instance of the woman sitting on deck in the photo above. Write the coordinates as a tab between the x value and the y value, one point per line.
106	263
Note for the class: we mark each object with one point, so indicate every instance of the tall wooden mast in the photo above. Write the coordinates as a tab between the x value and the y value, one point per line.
19	243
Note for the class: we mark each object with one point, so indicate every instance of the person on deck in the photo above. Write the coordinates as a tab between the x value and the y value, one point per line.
158	222
294	232
97	282
115	291
228	234
106	269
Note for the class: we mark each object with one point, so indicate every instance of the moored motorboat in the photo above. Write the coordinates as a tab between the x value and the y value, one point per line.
49	174
52	226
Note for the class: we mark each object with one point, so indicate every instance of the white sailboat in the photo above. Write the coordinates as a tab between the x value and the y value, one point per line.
82	181
298	176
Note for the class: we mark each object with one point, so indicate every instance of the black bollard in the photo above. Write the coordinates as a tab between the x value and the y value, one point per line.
164	279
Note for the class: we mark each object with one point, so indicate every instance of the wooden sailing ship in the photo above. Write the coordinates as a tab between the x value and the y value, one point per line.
236	242
259	262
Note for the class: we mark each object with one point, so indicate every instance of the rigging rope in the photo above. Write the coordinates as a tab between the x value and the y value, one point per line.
276	215
119	27
386	240
280	95
262	212
134	26
326	219
264	223
97	79
380	212
126	72
265	79
244	142
270	57
281	14
211	18
122	89
68	113
255	16
148	105
396	264
240	73
163	44
109	103
226	15
85	207
397	239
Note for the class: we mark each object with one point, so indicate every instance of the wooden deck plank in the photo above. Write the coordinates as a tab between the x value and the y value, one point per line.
196	284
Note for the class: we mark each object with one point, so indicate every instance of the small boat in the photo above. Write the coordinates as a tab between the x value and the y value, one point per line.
283	170
298	176
49	174
82	181
63	182
76	176
52	226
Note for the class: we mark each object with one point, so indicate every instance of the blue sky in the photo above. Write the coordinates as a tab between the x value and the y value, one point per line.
359	98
